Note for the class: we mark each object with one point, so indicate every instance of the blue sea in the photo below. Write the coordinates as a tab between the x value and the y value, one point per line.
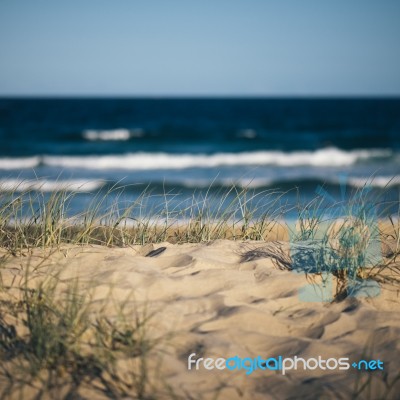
181	150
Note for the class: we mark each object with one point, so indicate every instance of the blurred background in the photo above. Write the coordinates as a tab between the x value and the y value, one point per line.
187	100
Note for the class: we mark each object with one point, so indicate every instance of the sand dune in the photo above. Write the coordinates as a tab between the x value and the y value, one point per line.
210	301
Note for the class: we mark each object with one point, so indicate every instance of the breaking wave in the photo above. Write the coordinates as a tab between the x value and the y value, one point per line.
328	157
44	185
112	135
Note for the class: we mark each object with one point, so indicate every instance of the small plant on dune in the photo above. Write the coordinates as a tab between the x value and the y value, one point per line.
44	342
341	241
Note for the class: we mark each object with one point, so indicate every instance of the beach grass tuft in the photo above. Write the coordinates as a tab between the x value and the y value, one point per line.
53	343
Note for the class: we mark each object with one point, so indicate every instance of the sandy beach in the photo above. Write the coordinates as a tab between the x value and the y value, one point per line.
209	299
200	200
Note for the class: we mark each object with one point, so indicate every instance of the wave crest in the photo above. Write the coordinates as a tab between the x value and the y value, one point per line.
43	185
9	163
329	157
112	135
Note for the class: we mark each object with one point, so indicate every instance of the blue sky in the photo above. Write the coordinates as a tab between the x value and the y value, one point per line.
205	48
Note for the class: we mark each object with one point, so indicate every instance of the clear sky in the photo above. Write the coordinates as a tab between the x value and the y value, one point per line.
193	47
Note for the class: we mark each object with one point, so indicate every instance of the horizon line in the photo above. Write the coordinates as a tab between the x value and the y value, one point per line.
202	96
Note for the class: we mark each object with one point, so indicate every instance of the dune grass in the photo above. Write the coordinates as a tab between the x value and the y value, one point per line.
344	240
53	343
29	219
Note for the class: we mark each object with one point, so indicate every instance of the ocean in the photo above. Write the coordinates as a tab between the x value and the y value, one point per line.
182	151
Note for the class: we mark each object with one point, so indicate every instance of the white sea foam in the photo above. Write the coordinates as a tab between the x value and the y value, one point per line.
110	135
328	157
44	185
250	183
9	163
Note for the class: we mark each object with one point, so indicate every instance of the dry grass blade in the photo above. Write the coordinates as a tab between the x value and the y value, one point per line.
276	251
